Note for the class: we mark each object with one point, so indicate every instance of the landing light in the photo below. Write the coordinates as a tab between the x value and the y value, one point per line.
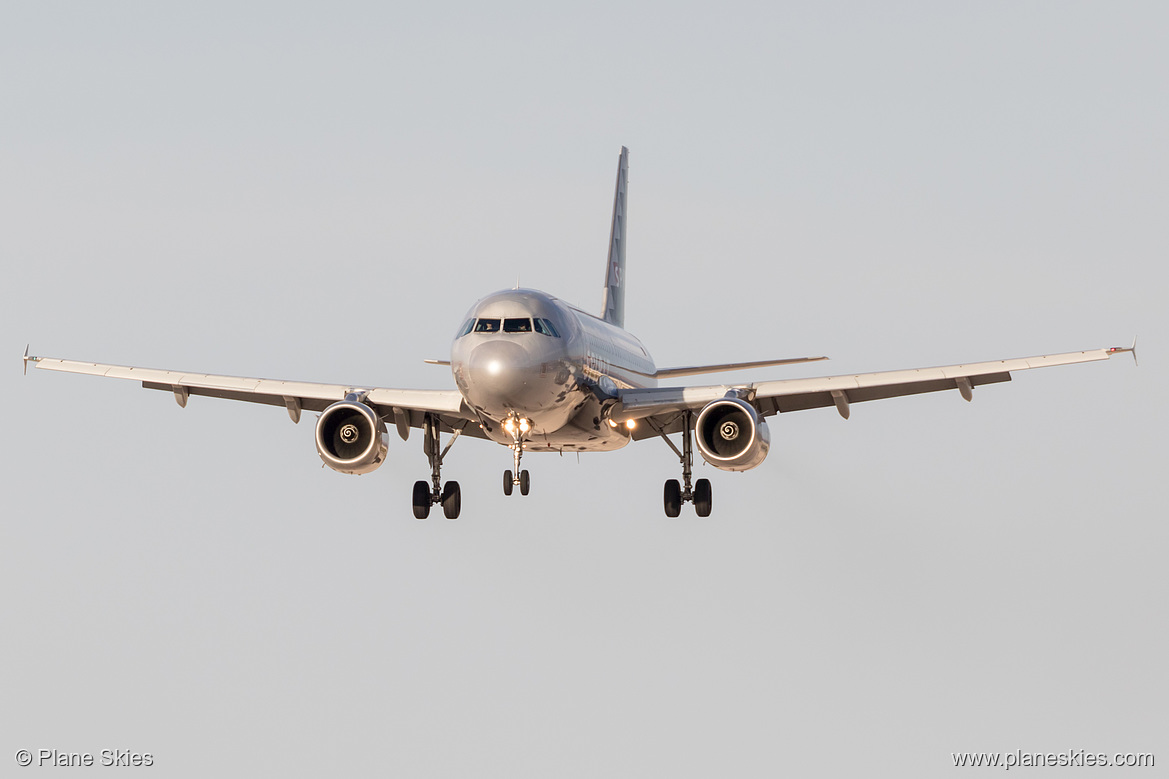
509	426
611	423
630	424
524	426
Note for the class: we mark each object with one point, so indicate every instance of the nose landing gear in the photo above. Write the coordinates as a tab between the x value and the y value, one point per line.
520	478
675	494
449	494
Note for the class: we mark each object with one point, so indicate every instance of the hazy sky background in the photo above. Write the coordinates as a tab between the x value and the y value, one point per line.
319	192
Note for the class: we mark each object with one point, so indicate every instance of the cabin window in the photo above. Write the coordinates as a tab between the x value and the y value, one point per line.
487	326
466	328
517	325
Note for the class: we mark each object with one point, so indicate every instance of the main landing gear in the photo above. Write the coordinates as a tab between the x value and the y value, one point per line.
512	479
675	494
449	494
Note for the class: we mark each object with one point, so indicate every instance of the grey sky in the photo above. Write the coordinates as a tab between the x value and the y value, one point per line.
319	192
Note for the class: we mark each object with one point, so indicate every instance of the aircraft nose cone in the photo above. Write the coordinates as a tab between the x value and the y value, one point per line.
500	376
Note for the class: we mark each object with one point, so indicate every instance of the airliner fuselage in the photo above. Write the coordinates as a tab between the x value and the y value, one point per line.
528	357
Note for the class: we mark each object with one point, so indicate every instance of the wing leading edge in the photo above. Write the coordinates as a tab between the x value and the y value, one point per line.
774	397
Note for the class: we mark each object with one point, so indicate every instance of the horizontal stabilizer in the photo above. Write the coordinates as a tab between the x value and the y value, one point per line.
694	370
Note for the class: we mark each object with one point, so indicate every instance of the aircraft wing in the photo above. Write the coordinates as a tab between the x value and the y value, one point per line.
404	407
662	405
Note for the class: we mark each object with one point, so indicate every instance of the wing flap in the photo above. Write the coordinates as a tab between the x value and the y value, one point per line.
308	404
779	404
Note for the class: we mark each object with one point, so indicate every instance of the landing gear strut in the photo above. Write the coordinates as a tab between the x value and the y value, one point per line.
516	477
675	494
425	495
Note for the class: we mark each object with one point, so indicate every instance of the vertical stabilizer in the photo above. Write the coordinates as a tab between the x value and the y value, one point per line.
613	310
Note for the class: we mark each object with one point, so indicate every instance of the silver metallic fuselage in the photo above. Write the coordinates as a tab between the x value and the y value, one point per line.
560	378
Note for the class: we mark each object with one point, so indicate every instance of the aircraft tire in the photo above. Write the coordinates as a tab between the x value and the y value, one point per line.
507	482
525	482
452	500
672	498
421	500
703	497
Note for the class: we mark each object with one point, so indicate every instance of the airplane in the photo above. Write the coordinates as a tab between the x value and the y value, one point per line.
536	374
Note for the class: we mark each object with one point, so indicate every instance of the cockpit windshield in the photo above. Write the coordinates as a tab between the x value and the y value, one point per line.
509	325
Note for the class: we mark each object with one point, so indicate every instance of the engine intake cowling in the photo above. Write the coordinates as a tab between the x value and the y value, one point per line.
351	438
731	435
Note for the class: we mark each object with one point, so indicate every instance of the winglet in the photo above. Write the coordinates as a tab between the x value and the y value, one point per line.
1122	349
26	359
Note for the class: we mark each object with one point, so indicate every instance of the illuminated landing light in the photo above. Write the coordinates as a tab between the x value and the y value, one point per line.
630	424
494	367
611	423
511	423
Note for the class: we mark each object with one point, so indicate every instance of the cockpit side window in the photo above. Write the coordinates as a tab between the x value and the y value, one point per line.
517	325
466	328
487	326
545	326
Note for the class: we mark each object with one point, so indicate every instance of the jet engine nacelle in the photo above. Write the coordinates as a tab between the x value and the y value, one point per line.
731	435
351	438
